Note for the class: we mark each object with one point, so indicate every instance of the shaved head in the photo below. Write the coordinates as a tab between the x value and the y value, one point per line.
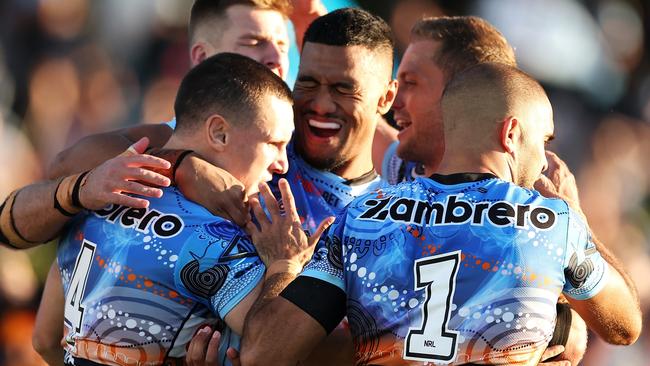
497	107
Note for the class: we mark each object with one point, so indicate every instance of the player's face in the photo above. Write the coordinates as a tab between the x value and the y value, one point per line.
417	106
336	98
537	131
257	151
258	34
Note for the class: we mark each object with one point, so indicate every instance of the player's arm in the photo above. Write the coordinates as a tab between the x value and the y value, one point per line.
48	328
35	214
93	150
276	319
614	312
305	12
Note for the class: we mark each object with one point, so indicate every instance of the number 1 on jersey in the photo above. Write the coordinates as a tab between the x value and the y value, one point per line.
433	341
73	308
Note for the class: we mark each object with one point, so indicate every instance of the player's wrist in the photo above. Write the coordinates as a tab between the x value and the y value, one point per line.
289	266
67	192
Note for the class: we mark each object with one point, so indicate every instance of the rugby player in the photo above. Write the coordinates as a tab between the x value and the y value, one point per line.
139	282
467	264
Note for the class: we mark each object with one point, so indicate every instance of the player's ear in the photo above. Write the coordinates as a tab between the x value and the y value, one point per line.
217	129
198	52
387	99
510	134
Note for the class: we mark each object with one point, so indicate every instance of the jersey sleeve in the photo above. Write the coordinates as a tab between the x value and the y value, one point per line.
320	289
390	166
327	262
171	124
585	271
218	266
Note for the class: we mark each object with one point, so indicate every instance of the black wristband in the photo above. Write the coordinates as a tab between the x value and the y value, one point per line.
75	190
57	204
178	162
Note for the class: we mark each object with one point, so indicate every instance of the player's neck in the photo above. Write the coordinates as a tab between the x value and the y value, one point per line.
355	167
463	162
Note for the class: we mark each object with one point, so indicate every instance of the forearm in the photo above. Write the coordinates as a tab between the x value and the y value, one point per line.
269	324
48	328
305	12
87	153
29	216
93	150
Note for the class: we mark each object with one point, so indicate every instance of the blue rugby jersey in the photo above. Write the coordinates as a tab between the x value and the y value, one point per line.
318	193
394	170
139	282
450	270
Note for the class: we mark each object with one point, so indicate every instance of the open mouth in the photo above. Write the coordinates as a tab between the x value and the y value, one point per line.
324	128
402	123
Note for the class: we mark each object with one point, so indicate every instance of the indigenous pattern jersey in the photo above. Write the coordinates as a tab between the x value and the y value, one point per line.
140	282
394	170
318	193
468	271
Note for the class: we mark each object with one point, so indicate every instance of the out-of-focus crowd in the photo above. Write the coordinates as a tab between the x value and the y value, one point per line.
75	67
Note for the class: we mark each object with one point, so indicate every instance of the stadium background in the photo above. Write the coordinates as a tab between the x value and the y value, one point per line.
75	67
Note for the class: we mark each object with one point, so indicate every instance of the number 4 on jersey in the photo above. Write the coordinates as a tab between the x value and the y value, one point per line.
432	341
73	308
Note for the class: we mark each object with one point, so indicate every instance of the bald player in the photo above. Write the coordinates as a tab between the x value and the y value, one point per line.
464	266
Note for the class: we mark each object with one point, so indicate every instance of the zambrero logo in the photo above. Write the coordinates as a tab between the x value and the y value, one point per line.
142	219
456	211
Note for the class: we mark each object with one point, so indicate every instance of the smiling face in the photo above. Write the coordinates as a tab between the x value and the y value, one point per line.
337	100
417	106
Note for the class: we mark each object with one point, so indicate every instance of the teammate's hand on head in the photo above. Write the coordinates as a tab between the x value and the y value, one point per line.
213	188
203	349
127	173
280	237
559	182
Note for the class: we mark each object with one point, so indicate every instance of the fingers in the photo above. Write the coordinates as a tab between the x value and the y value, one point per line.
212	353
144	160
196	351
288	200
259	213
320	229
233	356
269	201
138	147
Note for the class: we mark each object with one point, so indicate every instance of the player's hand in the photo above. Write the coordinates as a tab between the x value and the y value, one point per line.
305	12
551	352
128	173
559	182
203	349
213	188
280	237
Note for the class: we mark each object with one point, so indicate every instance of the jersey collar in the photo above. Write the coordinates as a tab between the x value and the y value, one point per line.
459	178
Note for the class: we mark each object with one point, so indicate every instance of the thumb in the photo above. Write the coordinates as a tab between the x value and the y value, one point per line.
320	229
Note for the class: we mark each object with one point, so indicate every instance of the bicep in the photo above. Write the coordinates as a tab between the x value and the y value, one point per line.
235	317
612	313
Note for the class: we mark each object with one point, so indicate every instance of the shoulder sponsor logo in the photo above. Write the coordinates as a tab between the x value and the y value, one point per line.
143	220
456	211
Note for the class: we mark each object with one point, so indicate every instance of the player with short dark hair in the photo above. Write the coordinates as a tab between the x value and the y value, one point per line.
462	267
139	282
